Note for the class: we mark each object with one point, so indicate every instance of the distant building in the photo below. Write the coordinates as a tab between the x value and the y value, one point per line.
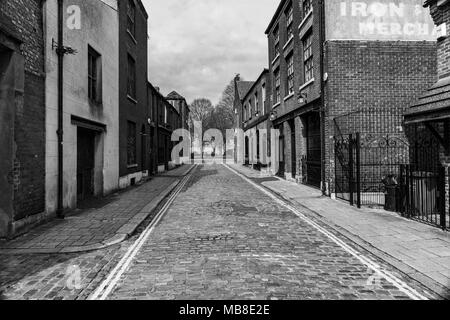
240	90
22	116
133	106
255	114
179	103
342	67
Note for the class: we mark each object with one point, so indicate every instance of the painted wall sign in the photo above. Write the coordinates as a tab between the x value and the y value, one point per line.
378	20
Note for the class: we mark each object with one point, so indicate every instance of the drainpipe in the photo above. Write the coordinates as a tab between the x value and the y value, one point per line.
60	133
322	91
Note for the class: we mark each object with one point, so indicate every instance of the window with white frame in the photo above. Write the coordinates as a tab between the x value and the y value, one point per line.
256	103
308	60
263	91
276	36
290	74
277	85
306	6
289	21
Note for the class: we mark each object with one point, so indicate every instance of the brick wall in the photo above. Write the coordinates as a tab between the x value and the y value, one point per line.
371	84
442	15
25	19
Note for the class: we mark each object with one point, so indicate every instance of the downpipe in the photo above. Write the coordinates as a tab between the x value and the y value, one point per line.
60	132
322	92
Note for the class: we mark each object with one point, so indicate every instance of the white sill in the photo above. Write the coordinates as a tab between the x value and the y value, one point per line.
306	84
305	18
132	99
276	105
288	42
131	36
289	96
276	58
132	166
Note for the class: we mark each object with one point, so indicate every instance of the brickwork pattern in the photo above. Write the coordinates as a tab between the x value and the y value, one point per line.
24	18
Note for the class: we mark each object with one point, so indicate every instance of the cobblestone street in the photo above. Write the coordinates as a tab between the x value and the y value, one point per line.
221	238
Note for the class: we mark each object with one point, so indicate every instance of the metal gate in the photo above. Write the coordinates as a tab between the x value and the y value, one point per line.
347	173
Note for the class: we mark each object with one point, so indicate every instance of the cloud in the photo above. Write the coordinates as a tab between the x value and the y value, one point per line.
197	46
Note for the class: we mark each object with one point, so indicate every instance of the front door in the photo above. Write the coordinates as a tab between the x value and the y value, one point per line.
293	149
85	163
314	150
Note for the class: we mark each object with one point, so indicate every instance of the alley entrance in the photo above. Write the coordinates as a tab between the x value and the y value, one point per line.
85	163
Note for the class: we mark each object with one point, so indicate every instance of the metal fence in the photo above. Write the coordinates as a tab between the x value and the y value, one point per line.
385	171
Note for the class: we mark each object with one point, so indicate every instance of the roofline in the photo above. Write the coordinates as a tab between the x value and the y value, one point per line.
275	16
144	11
161	96
265	71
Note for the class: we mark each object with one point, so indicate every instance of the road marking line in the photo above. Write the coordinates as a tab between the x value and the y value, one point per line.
105	289
401	285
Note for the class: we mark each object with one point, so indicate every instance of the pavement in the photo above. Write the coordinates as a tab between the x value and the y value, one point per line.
101	223
220	238
416	249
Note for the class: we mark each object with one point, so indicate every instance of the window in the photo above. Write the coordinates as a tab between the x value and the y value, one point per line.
289	21
250	109
306	7
131	146
308	57
94	76
131	80
276	35
290	74
264	98
165	115
131	17
256	103
277	86
245	112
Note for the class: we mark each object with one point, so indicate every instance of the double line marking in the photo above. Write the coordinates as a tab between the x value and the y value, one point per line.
108	285
377	269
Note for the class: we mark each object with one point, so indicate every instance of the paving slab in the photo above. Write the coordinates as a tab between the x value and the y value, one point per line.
104	222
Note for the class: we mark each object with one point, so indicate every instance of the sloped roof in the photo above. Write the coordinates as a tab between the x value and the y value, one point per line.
434	104
243	87
174	96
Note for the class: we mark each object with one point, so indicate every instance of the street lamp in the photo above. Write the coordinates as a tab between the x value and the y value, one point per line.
273	116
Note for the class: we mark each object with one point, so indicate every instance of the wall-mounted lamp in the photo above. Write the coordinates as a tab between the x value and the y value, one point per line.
303	98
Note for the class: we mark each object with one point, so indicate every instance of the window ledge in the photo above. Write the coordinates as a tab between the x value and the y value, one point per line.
306	84
276	58
132	99
276	105
131	36
132	166
289	96
305	18
288	42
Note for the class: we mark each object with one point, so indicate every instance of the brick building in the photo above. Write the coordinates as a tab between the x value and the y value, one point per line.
164	118
182	107
255	113
22	115
133	106
428	126
343	67
90	101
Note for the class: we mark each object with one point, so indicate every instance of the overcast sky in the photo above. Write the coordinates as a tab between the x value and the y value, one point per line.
197	46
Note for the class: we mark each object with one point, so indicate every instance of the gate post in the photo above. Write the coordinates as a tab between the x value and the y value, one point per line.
442	195
358	170
350	172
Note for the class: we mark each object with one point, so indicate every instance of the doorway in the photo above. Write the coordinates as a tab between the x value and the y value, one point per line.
314	150
293	149
85	163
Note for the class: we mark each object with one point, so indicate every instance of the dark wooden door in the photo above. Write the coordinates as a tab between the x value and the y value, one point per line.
314	151
293	149
85	163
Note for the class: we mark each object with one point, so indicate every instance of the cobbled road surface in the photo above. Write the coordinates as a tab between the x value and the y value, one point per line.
221	238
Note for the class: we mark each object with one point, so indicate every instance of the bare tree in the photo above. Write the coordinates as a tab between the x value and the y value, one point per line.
201	110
